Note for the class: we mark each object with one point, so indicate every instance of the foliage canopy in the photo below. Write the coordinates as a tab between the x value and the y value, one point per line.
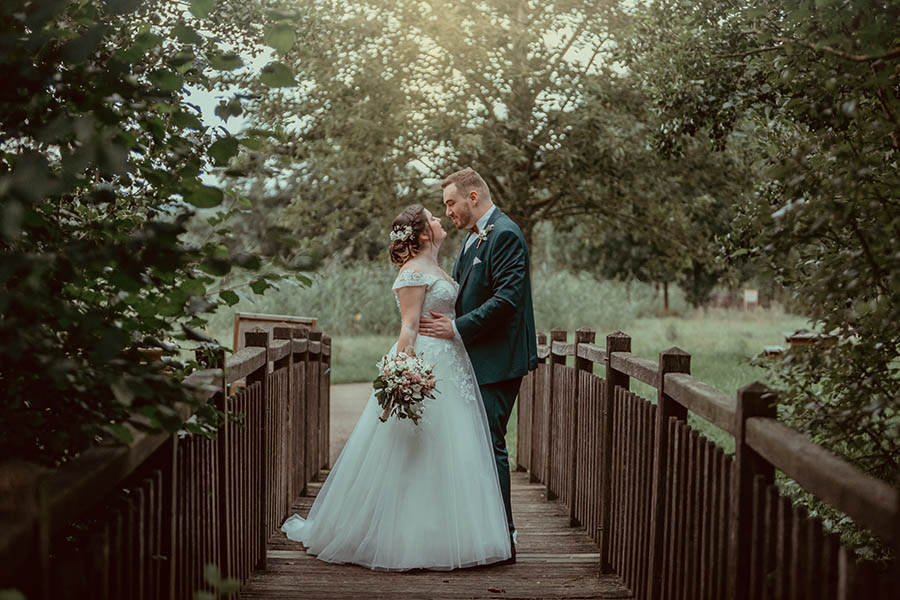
102	164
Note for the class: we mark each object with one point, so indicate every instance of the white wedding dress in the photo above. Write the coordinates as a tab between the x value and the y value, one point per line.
404	496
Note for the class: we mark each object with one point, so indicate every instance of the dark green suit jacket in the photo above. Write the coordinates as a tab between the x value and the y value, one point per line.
495	316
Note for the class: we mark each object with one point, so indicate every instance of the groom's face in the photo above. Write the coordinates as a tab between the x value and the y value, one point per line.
459	208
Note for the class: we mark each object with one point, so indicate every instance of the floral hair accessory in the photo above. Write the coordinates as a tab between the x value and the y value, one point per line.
482	235
401	233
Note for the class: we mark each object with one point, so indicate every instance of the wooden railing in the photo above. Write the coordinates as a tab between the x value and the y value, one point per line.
671	512
143	521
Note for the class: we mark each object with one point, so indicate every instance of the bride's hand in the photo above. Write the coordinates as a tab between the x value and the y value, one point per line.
438	325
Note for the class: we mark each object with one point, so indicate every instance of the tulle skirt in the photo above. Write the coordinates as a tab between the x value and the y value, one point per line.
404	496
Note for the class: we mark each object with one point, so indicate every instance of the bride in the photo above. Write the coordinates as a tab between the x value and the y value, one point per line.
404	496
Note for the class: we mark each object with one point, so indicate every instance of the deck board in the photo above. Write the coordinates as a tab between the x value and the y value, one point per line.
553	561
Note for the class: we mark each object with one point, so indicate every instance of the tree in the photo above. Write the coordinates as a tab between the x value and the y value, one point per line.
810	89
674	213
400	91
102	158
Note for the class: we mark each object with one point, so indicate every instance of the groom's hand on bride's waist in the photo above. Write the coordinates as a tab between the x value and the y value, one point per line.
437	325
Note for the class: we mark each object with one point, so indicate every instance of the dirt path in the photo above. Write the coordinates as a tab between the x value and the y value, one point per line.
347	403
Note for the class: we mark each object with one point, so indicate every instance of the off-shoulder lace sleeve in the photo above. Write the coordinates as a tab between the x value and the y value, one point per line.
408	278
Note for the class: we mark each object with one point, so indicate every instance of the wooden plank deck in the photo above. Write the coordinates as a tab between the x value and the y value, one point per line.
554	561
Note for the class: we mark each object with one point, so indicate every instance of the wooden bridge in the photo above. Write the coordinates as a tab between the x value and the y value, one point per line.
615	496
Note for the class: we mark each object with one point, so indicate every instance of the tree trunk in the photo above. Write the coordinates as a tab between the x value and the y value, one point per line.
666	296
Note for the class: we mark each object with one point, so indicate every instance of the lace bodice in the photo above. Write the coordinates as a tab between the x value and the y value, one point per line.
440	295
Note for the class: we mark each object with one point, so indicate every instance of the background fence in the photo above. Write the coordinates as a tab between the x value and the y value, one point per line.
672	514
143	521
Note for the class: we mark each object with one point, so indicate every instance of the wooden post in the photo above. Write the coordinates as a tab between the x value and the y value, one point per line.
42	538
615	342
215	359
301	359
673	360
325	392
582	336
169	541
283	489
754	400
288	333
894	591
313	371
536	435
261	339
556	335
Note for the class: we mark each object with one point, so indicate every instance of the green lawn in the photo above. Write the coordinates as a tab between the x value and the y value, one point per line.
721	344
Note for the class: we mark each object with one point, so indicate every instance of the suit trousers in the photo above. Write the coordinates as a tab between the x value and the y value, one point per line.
499	399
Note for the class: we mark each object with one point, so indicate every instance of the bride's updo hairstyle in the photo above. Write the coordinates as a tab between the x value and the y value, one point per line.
401	250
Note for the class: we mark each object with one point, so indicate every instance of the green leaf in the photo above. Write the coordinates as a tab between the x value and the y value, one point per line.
122	7
229	586
223	150
122	392
193	287
232	108
211	574
166	80
215	266
229	297
183	62
259	286
124	281
277	74
227	61
252	143
281	36
120	432
201	8
186	120
247	260
204	196
186	35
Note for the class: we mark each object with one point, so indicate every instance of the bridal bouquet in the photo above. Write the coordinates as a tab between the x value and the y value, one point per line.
403	383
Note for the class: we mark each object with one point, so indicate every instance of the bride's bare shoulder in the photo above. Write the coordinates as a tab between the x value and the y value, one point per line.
417	265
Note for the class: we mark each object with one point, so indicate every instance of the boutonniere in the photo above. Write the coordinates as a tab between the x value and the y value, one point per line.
482	235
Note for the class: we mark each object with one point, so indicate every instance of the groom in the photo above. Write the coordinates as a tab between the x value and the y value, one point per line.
495	318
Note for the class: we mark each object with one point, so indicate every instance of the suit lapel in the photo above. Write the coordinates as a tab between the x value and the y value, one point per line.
475	252
457	266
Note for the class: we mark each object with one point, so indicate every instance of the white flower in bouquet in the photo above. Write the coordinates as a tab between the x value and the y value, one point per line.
403	383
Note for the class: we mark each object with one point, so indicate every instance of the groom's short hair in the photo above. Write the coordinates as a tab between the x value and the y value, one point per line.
467	180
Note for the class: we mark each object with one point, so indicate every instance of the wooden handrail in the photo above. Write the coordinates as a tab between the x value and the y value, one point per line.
702	399
85	481
279	349
634	366
827	476
59	496
765	444
592	352
563	349
242	363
